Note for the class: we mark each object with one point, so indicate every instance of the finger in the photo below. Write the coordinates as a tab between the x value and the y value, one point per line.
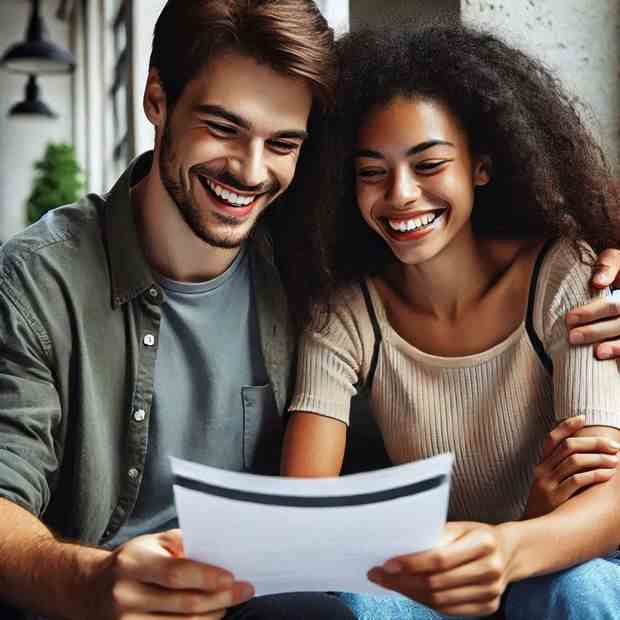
411	587
578	463
581	445
595	333
575	483
608	350
471	546
172	541
472	609
607	268
216	615
562	431
596	310
173	573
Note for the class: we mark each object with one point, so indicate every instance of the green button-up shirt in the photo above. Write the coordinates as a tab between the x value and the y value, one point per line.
79	331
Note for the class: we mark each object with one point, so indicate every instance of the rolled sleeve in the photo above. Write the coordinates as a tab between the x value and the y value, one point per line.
30	410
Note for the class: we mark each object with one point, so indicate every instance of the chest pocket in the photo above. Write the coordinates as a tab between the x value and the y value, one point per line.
262	430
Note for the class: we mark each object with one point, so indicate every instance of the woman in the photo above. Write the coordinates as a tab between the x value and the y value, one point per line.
453	254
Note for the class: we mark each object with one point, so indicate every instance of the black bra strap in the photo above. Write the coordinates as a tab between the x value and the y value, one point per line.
529	318
375	328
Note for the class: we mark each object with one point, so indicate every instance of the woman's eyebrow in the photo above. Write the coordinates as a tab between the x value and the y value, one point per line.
427	144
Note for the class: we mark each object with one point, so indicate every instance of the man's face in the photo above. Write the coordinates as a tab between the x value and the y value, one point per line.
230	145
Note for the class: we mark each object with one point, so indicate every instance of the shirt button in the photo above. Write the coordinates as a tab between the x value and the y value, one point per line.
133	473
139	415
149	340
153	292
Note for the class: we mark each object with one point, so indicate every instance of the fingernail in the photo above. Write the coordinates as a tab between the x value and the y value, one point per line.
374	575
392	567
225	582
578	419
572	319
246	591
604	353
614	445
576	338
601	278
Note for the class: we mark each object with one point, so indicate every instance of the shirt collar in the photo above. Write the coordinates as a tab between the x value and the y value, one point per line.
129	272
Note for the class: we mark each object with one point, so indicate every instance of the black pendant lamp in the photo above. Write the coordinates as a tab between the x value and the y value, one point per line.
37	54
32	105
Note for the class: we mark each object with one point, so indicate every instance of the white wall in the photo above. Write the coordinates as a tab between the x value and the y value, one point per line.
22	141
145	14
579	39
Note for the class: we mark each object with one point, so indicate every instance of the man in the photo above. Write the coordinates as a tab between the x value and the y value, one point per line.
150	321
152	316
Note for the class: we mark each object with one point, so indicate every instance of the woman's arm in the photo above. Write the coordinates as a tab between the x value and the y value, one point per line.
313	446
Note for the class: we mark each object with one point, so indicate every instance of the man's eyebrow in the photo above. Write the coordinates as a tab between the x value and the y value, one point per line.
418	148
231	117
290	134
217	110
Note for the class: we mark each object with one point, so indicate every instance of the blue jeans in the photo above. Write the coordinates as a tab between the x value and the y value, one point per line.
589	591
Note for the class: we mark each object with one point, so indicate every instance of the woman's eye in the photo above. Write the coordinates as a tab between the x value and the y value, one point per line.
427	166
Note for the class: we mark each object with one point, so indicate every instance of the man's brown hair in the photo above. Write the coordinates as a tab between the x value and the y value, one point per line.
291	36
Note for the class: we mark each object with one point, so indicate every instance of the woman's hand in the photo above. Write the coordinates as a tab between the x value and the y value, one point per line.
599	321
569	464
465	575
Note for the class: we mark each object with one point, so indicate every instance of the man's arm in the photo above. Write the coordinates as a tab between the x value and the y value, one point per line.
147	576
599	321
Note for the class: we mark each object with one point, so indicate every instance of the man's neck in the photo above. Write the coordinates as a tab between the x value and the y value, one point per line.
170	246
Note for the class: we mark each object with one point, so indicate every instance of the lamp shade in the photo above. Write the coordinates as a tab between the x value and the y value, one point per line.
32	105
37	54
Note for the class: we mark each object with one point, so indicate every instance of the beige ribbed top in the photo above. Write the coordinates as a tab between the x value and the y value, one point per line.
492	409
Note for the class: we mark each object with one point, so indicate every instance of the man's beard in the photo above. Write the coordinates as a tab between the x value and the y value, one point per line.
188	210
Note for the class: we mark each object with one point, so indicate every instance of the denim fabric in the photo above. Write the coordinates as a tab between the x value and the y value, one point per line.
589	591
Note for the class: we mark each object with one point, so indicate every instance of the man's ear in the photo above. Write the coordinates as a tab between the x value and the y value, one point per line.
483	168
154	101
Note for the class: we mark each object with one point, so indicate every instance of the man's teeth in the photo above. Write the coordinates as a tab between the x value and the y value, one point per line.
230	197
413	224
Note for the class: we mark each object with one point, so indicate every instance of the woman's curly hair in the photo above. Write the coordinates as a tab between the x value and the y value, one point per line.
549	176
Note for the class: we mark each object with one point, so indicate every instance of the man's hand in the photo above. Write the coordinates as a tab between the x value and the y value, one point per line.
148	577
599	321
569	464
464	576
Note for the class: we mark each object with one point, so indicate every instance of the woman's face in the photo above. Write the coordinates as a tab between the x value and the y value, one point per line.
415	177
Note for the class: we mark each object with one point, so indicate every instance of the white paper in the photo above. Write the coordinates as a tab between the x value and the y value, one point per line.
291	548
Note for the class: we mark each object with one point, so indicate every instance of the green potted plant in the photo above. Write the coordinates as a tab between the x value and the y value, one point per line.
58	181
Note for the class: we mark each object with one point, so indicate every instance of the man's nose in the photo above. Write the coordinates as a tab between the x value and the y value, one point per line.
404	189
251	168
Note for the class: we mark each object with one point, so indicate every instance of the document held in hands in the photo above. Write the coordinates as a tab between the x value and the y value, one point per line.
321	534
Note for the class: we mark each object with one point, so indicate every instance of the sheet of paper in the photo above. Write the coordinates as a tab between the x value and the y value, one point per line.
291	534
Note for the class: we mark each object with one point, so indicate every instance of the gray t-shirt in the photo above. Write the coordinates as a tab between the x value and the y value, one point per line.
212	400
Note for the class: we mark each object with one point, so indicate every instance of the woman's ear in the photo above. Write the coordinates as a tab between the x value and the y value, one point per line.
482	170
154	101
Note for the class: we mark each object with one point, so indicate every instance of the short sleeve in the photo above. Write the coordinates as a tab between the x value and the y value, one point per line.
333	359
582	385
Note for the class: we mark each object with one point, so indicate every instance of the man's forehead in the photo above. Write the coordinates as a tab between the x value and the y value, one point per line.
254	92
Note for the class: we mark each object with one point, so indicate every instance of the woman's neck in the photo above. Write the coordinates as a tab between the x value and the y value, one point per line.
451	283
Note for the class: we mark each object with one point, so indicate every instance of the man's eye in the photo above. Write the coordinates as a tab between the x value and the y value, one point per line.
222	130
283	147
370	173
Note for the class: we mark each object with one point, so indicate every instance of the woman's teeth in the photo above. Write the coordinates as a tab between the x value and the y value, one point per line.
231	198
414	223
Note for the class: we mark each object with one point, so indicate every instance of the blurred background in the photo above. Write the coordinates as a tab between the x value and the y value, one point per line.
72	74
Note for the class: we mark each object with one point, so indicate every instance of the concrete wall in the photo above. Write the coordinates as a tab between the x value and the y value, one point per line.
579	39
22	141
363	12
